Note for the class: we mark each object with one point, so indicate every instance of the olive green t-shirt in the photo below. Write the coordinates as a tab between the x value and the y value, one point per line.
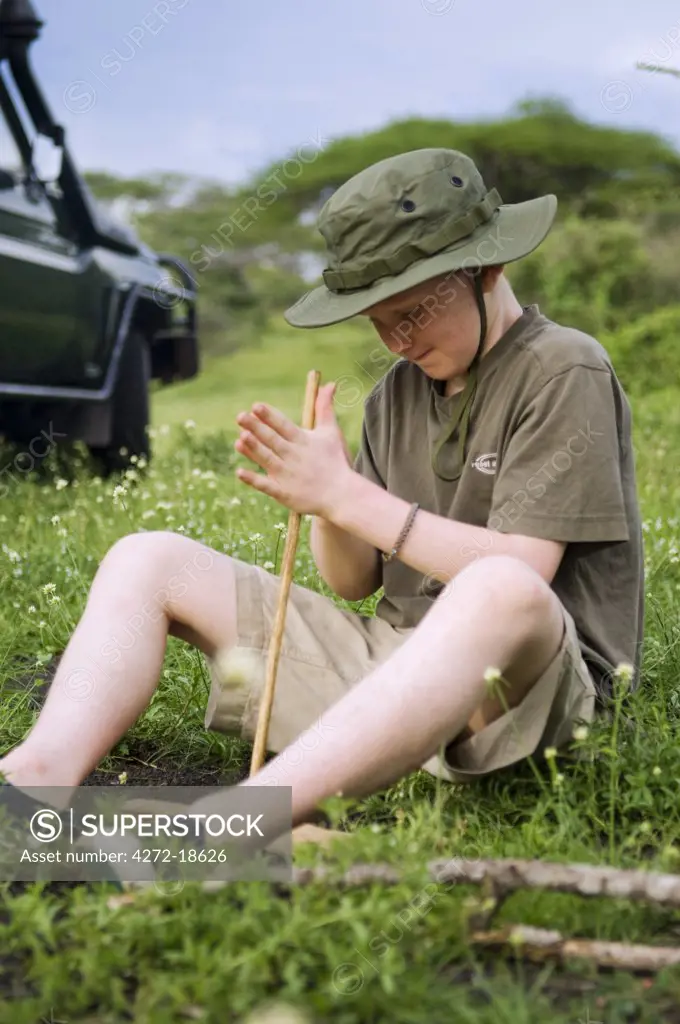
548	454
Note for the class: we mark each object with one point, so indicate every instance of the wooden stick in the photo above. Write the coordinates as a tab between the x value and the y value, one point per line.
540	944
506	876
581	879
287	569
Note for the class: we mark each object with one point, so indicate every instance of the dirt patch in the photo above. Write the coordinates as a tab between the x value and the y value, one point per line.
146	766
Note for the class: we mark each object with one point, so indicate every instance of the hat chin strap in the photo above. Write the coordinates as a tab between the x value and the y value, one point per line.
481	306
461	417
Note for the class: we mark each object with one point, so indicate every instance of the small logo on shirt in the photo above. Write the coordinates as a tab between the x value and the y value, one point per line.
486	463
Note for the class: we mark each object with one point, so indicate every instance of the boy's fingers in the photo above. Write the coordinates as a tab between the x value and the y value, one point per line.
270	437
276	420
257	452
261	483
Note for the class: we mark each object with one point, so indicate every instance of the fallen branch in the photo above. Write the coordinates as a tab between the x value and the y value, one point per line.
506	876
539	944
502	877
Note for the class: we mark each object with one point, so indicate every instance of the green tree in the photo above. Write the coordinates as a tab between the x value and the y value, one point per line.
595	275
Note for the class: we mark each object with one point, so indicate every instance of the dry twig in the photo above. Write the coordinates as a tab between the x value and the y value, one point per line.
539	944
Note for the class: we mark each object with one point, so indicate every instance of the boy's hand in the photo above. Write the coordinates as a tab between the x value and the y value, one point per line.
308	471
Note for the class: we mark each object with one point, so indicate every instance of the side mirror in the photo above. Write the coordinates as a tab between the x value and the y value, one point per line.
46	159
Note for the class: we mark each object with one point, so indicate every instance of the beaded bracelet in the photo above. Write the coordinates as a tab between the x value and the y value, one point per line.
402	536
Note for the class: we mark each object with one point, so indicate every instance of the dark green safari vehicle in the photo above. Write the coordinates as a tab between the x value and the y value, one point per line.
89	315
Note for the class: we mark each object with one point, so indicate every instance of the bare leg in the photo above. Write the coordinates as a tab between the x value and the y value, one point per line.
148	585
500	614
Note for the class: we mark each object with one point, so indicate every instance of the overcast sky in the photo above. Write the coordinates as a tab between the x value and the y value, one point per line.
218	88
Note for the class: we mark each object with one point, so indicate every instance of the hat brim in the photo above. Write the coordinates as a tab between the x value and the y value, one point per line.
514	231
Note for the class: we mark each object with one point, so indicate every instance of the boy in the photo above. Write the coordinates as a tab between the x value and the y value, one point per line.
493	497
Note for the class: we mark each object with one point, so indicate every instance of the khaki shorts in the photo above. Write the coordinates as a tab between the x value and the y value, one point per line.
327	649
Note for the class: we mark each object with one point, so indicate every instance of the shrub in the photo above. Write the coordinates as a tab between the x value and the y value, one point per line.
646	353
595	275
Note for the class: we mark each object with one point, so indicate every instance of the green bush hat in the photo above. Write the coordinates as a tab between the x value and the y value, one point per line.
410	218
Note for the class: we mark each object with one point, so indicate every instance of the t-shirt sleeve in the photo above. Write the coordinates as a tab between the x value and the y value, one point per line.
559	475
374	438
364	462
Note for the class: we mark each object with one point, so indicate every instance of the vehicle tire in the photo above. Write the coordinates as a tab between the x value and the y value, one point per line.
129	408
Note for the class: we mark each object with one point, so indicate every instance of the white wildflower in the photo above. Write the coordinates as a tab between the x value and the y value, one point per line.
580	733
61	483
624	672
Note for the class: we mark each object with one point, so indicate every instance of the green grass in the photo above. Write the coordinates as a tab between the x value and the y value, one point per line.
377	954
276	369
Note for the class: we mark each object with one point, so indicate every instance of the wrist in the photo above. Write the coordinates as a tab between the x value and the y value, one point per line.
345	495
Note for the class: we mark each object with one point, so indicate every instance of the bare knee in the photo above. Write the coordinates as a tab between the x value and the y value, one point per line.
156	566
145	553
516	612
170	581
510	589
